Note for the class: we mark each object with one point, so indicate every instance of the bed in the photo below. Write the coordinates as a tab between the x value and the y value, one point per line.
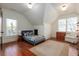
29	36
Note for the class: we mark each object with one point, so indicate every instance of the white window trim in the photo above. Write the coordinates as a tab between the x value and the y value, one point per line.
6	28
66	23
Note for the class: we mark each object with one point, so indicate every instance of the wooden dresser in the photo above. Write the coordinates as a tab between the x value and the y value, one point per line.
60	36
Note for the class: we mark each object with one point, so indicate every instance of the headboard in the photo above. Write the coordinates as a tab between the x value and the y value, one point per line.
27	32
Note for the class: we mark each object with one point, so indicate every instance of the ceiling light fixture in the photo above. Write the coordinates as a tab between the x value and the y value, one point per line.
30	5
64	7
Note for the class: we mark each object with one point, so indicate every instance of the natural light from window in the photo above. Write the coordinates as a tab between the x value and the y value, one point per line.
67	24
11	27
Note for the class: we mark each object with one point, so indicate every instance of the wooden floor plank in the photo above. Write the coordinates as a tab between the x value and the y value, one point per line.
17	49
20	48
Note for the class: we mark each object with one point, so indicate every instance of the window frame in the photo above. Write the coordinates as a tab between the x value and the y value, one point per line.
7	28
66	18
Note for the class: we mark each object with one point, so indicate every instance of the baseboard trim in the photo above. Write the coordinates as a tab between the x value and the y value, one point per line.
52	38
9	42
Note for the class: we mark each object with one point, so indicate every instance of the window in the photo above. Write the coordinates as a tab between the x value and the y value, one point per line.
72	24
11	26
67	24
62	25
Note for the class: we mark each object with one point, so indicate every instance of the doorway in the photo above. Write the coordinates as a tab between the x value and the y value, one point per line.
1	31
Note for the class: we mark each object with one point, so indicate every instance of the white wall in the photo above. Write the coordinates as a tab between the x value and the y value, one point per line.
40	29
54	28
22	23
50	16
47	30
54	25
44	30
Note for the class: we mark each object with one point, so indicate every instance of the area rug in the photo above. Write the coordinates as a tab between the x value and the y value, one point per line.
51	48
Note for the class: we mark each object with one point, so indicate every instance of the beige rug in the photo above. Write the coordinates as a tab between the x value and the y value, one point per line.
51	48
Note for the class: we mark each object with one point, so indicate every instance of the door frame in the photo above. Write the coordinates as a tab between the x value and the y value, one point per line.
1	28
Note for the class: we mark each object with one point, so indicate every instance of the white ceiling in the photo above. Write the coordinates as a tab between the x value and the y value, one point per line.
72	8
36	14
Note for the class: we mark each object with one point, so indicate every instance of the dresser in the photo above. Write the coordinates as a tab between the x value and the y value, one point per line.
60	36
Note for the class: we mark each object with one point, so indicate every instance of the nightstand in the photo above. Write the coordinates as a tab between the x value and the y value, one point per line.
20	38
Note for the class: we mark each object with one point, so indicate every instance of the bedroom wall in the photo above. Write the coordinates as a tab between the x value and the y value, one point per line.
47	30
40	29
50	16
44	30
22	23
54	28
54	25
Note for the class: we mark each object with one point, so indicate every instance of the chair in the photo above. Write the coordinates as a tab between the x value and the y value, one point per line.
71	37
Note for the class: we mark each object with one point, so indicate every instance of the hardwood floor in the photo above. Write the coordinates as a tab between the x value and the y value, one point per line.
76	46
20	48
17	49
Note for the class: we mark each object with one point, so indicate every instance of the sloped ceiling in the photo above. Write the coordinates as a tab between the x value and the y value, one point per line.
34	15
41	11
72	7
53	11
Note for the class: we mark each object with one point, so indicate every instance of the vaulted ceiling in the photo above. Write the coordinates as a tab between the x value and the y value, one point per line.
34	15
37	14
